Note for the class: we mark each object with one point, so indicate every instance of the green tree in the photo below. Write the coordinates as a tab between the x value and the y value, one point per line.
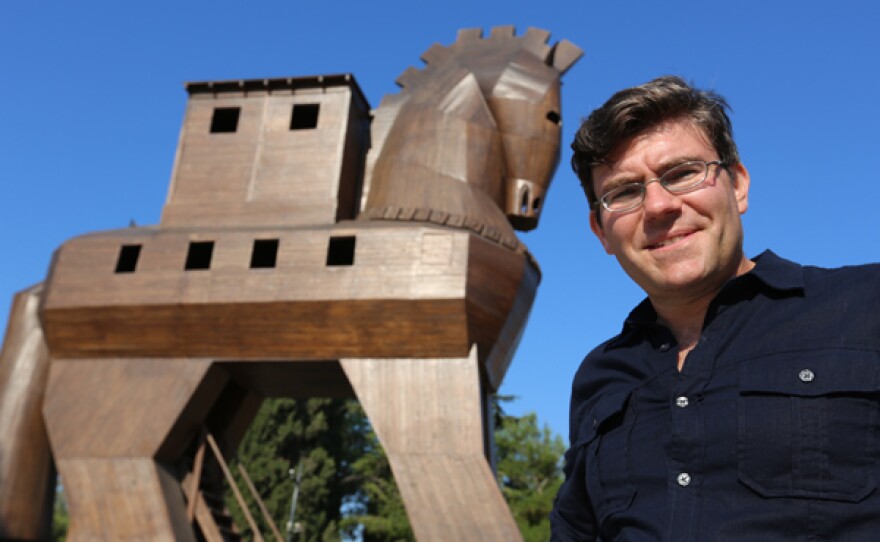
321	436
60	518
346	472
376	512
529	471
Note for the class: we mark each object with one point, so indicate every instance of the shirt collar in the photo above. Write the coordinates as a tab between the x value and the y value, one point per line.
778	273
772	271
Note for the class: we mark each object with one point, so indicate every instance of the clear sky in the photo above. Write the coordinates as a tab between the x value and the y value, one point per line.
92	103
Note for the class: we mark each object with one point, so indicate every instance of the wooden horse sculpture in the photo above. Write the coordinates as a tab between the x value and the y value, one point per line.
292	262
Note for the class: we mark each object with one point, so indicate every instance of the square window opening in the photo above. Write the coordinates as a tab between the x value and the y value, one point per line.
199	255
340	251
128	258
264	254
304	116
225	120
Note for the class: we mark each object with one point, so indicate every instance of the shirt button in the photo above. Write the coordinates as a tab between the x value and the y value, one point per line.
665	346
806	375
681	402
684	479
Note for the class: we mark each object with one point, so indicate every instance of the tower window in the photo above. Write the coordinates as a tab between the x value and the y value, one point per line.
340	251
199	255
304	116
264	254
128	258
225	119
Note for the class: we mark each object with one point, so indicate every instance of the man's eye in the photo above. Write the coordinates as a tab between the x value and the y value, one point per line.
682	175
627	193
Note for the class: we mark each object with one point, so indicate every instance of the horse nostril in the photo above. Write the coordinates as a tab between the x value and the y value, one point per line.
524	204
536	204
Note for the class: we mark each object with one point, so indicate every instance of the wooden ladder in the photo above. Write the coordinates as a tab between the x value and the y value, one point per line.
207	508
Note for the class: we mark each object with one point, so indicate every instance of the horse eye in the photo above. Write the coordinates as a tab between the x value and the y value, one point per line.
554	117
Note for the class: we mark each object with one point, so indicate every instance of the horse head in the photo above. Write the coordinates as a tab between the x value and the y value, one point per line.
524	100
473	139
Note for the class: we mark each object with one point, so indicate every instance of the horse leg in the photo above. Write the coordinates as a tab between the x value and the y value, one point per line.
429	415
117	427
27	478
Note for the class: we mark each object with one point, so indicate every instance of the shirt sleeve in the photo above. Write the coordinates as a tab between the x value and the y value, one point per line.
572	518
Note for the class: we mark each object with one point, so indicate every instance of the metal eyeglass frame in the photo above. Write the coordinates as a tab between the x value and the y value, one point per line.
661	179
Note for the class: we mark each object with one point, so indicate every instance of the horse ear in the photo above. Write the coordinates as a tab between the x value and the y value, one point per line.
563	55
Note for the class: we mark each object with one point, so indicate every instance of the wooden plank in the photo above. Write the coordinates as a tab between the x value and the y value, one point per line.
196	479
27	478
258	537
118	407
122	499
266	516
415	406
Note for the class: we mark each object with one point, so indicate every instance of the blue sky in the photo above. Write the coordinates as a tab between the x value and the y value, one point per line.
92	102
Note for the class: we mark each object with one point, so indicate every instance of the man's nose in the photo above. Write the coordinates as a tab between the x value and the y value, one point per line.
659	201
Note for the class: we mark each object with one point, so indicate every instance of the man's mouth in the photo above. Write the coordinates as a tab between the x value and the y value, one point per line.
668	241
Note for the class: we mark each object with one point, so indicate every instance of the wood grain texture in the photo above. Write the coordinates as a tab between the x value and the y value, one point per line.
481	122
27	477
117	407
501	288
394	275
123	499
264	172
427	415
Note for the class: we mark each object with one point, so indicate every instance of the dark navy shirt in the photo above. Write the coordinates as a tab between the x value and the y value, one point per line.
769	432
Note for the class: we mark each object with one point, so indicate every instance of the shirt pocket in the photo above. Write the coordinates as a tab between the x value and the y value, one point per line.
806	424
605	436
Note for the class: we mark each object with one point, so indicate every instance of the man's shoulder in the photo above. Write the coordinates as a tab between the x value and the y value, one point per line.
854	281
784	274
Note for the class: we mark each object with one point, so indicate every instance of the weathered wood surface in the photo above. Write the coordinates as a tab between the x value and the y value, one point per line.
264	173
430	415
258	282
26	471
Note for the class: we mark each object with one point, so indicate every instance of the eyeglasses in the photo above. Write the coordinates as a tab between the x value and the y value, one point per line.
678	180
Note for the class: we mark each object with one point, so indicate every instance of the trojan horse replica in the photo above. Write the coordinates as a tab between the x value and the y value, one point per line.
304	250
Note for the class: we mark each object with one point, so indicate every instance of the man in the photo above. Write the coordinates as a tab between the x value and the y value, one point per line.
740	400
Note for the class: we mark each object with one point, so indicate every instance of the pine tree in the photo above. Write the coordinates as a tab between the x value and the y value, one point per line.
320	436
376	513
530	472
345	468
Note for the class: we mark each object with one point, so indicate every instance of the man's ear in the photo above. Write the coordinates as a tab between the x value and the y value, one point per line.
598	230
741	182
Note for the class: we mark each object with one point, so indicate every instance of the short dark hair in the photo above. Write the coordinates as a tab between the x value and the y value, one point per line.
633	110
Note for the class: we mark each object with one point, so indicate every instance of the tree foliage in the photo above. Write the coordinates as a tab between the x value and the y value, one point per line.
529	471
322	437
376	513
60	517
347	487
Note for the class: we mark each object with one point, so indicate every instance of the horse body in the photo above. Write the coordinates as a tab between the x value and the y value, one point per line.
415	308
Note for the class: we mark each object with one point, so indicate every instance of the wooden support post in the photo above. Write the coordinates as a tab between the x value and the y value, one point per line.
427	415
27	478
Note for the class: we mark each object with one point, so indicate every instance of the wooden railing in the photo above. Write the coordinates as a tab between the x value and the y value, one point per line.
196	502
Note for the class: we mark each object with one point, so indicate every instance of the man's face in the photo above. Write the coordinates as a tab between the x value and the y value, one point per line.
676	247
